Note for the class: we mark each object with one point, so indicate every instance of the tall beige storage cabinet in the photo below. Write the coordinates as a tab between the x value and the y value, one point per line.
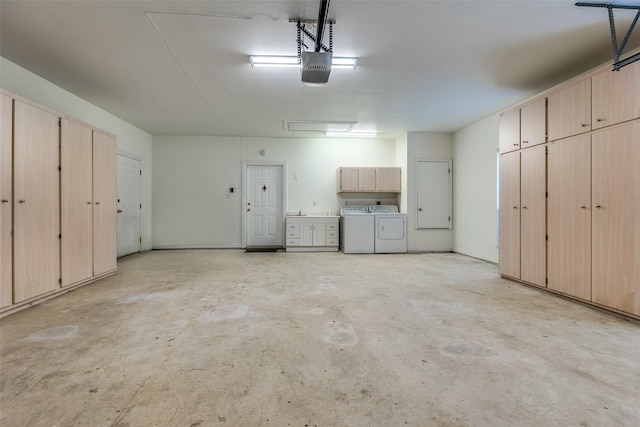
569	211
591	222
104	203
57	203
616	218
36	219
509	255
533	215
77	202
6	200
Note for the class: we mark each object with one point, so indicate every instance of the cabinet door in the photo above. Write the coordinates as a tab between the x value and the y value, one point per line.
76	200
570	110
509	137
509	205
569	217
533	216
36	245
388	179
615	96
616	218
105	206
348	179
6	200
533	123
319	237
366	179
306	234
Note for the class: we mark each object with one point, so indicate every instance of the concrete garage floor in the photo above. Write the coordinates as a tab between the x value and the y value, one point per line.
227	338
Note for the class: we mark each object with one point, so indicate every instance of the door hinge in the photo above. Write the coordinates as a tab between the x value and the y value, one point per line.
546	238
60	281
59	168
59	236
140	205
546	281
140	171
140	239
59	121
546	194
449	219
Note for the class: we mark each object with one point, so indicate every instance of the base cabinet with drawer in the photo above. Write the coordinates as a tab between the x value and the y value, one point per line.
312	233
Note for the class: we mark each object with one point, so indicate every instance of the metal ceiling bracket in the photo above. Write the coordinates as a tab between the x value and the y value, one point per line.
317	39
617	50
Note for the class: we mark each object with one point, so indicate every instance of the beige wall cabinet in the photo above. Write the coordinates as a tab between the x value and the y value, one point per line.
533	215
533	123
616	218
6	200
388	180
569	217
369	180
509	252
616	96
76	202
312	233
104	203
509	136
36	178
570	110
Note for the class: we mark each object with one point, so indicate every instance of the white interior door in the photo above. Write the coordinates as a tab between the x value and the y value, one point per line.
129	205
264	209
433	194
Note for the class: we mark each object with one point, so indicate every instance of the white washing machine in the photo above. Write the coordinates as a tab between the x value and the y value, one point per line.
356	230
390	226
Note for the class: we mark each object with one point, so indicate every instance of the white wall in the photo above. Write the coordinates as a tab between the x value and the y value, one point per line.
401	161
474	189
130	138
426	145
191	177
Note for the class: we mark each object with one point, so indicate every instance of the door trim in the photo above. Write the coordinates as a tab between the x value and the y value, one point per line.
285	180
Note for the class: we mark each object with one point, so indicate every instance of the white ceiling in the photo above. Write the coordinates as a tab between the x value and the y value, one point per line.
181	67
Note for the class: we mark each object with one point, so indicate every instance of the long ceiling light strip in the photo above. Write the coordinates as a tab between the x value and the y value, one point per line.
292	61
352	134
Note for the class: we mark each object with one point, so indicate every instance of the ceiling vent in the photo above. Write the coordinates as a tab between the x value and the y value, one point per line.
316	67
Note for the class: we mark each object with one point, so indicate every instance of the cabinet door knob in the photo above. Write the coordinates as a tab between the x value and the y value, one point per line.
22	201
5	201
524	207
119	211
598	207
599	120
583	207
88	203
515	145
515	207
419	209
97	203
584	125
525	142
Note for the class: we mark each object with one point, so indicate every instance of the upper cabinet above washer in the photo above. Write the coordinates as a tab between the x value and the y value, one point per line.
369	180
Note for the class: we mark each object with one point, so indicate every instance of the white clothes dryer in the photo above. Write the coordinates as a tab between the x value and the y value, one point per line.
390	235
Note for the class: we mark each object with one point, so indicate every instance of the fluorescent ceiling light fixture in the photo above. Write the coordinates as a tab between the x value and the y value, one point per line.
317	126
292	61
352	134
